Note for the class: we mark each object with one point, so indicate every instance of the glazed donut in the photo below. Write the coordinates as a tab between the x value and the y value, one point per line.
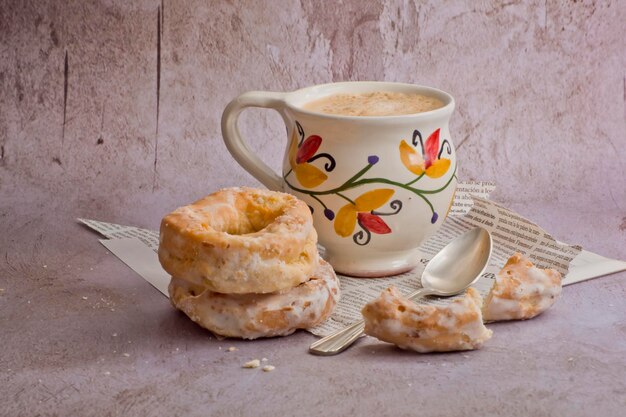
251	316
457	325
521	291
240	240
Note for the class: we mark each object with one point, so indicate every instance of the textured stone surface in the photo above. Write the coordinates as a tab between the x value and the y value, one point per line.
70	312
111	110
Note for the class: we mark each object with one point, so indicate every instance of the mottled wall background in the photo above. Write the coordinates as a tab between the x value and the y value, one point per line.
111	109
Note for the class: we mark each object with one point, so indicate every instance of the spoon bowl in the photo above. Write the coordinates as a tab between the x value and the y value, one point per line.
457	266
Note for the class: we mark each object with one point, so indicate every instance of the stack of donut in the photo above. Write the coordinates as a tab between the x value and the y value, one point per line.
244	263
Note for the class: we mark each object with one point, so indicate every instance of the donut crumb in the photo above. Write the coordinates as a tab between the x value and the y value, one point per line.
268	368
254	363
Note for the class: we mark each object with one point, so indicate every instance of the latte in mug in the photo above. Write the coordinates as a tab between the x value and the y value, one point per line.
378	103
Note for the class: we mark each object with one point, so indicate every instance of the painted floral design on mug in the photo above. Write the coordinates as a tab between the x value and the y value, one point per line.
429	162
363	212
362	209
301	153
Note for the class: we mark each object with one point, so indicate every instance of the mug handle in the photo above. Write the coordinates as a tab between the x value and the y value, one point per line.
234	142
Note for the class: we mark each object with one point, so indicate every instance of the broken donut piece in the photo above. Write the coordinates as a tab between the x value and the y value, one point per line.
424	328
521	291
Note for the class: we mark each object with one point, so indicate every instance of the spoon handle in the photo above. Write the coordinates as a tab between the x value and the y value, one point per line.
340	340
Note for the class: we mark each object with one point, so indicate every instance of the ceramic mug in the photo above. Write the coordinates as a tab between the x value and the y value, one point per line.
377	186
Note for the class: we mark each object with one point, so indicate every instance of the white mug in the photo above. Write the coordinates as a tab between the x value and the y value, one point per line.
377	186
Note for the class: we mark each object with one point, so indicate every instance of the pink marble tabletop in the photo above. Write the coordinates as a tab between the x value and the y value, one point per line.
82	334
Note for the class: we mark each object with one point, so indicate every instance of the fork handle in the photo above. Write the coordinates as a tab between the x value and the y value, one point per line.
342	339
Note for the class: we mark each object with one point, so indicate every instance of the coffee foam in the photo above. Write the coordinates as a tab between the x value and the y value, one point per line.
379	103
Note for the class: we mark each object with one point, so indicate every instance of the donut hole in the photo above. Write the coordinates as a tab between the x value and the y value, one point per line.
255	214
240	213
259	219
247	222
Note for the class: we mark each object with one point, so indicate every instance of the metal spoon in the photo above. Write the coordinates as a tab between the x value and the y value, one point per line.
451	271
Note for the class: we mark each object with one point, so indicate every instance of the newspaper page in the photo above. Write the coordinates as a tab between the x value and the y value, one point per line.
116	231
589	265
463	195
510	233
140	258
